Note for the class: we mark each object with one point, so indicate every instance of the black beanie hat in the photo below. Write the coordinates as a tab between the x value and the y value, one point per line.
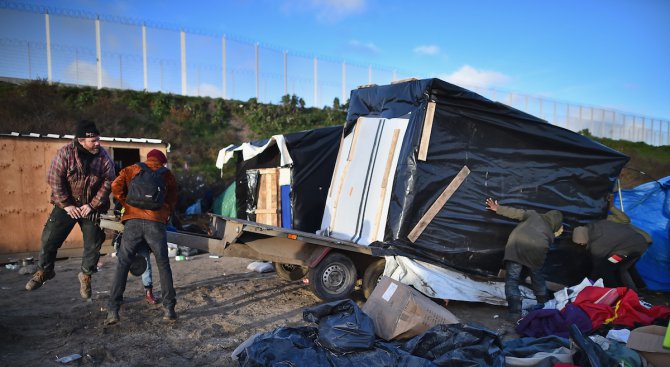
86	129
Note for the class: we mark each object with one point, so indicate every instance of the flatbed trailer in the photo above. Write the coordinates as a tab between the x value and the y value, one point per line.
332	267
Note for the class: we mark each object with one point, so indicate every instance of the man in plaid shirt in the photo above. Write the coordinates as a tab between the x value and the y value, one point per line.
80	177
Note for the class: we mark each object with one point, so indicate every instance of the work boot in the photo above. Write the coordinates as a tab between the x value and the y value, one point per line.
513	310
150	297
84	285
541	299
39	278
112	317
170	314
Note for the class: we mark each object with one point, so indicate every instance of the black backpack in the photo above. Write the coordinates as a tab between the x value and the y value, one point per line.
147	188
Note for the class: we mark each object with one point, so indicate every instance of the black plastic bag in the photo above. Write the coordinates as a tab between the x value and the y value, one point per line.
458	345
343	327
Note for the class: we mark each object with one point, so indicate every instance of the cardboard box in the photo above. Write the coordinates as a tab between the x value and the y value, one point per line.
400	311
648	341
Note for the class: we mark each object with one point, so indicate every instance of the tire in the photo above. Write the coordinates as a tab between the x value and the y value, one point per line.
372	275
290	272
333	278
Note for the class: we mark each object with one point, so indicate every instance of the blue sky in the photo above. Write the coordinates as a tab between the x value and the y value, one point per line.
608	53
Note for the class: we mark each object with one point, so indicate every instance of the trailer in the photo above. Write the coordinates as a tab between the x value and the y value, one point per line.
332	267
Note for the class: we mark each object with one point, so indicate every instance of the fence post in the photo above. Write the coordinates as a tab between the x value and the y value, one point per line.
184	86
285	73
98	52
144	57
224	70
316	75
48	30
369	74
257	73
344	82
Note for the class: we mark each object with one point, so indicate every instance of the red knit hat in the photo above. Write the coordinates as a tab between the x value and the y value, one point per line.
157	154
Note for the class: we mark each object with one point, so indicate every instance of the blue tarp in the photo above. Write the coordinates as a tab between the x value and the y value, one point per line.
648	207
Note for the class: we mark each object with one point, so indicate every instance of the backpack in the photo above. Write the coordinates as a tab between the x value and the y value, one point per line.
147	188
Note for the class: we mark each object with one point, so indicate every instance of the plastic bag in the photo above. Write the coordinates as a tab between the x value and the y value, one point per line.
343	327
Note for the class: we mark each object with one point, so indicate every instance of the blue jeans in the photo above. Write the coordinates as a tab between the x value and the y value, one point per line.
513	272
136	233
58	227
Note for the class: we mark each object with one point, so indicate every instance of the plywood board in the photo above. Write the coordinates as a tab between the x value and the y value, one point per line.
268	207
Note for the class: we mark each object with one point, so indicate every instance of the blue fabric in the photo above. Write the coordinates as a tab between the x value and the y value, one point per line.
286	206
648	207
541	323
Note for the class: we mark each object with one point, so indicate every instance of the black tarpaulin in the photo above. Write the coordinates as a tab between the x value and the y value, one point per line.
313	153
513	157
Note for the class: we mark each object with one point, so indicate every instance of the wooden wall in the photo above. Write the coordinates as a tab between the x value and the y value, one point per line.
24	163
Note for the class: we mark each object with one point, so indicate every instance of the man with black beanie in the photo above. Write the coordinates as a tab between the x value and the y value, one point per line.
80	177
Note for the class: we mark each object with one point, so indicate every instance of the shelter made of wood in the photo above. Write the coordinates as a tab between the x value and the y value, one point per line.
24	163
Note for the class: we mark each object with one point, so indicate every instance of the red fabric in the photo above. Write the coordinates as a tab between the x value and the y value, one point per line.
630	312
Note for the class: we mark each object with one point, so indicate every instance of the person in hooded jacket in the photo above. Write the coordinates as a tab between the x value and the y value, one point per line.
144	226
526	246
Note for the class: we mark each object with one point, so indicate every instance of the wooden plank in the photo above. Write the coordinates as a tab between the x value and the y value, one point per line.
427	128
268	205
385	178
438	204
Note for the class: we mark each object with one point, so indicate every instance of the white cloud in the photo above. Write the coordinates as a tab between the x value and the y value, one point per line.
86	73
467	75
368	47
427	50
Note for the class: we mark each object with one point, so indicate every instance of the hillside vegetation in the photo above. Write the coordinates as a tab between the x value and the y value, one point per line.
198	127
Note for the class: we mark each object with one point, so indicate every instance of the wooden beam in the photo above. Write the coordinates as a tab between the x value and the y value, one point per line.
438	204
387	172
427	128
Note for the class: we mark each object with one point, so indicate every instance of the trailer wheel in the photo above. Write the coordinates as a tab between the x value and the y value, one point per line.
373	273
333	278
290	271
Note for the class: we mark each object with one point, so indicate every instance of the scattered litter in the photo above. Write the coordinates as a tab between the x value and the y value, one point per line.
100	292
496	316
214	256
181	258
261	267
12	266
70	358
28	269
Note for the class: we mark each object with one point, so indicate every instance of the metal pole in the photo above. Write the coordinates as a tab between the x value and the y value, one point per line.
76	64
98	52
257	72
395	76
316	74
144	56
121	71
344	82
30	67
285	73
224	72
48	28
184	86
369	74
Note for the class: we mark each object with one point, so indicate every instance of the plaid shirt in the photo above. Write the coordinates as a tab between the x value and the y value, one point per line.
73	184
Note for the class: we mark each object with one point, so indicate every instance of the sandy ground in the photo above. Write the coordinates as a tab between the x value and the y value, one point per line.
219	302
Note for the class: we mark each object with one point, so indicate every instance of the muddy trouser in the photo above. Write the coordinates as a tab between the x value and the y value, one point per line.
135	233
58	227
615	274
513	272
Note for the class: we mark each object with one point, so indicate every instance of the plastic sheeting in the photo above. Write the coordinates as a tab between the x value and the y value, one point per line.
516	158
648	207
442	345
312	156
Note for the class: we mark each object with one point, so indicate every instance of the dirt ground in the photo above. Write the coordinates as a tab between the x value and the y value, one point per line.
219	302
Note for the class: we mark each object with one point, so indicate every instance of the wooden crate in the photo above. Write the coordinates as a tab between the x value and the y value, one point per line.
268	207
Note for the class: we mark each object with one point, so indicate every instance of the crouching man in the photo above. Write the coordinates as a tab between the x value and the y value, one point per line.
148	194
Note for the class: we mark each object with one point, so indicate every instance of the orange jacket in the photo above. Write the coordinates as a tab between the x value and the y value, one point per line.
120	191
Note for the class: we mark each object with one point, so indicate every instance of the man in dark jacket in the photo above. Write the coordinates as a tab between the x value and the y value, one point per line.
614	248
80	177
527	246
144	226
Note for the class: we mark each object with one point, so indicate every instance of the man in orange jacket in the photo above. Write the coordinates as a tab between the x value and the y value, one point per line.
144	222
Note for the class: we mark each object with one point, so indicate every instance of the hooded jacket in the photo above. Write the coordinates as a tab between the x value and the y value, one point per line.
530	240
120	191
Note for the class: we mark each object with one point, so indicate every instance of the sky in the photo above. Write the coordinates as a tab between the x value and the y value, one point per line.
606	53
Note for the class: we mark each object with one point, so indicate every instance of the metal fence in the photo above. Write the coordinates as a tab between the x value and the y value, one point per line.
106	52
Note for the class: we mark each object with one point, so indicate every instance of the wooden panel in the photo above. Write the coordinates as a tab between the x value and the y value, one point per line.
268	207
385	180
438	204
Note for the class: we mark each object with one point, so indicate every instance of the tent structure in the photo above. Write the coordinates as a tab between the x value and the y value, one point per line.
419	158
